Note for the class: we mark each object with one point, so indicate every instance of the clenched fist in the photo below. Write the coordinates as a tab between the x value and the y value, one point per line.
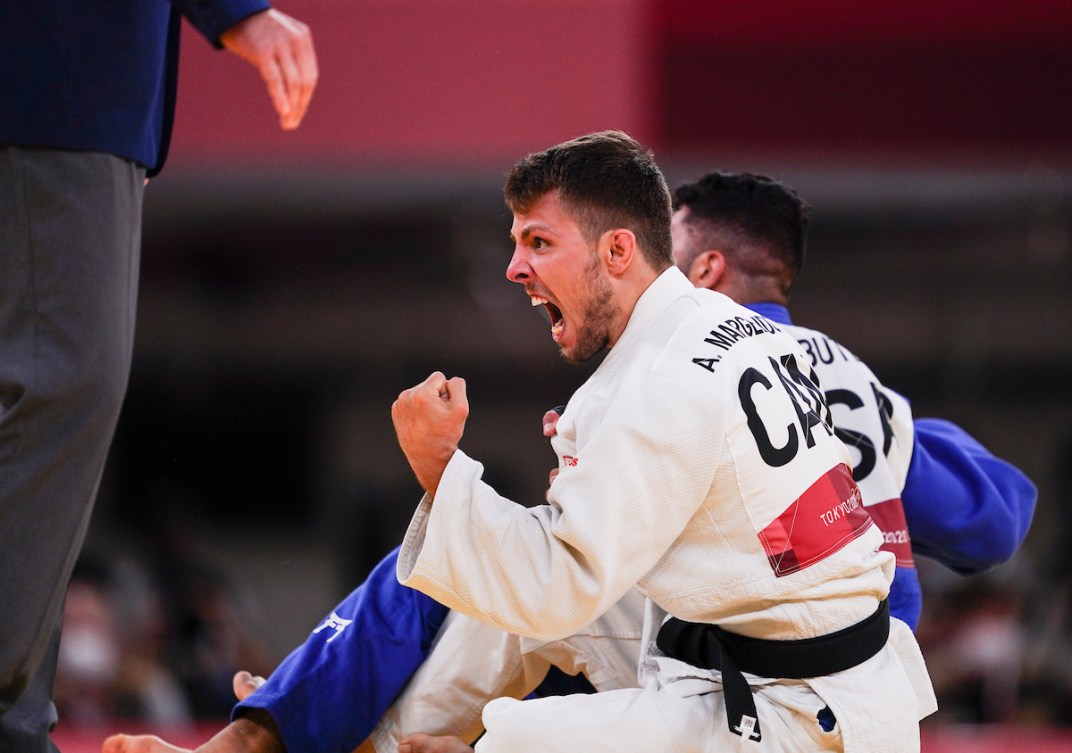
429	420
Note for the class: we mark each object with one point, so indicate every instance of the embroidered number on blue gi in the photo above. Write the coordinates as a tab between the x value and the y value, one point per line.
807	400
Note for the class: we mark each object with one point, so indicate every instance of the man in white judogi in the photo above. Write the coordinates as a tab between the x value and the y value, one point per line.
695	465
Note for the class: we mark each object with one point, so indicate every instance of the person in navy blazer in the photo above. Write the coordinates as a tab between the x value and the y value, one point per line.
87	96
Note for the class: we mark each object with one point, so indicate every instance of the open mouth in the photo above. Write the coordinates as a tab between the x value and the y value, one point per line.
553	313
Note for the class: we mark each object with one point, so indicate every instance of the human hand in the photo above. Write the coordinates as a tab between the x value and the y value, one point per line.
245	684
255	734
139	744
429	421
281	49
550	428
422	743
550	421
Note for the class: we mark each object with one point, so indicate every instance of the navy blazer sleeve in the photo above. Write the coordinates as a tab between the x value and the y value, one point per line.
99	75
213	17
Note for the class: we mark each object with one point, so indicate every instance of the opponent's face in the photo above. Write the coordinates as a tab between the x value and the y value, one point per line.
685	243
562	272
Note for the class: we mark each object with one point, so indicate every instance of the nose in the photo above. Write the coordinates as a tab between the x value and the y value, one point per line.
518	270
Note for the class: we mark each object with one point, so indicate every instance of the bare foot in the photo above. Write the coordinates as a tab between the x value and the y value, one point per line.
422	743
138	744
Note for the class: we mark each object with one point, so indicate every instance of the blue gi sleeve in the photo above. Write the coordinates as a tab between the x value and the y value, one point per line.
965	507
330	692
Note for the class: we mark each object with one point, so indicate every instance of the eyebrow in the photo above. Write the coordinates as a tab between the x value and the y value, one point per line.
535	227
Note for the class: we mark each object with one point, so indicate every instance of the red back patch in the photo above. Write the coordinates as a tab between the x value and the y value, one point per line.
890	518
826	517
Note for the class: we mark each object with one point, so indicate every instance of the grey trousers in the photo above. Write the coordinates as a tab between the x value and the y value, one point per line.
70	234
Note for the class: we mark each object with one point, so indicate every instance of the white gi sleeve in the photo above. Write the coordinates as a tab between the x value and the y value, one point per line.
472	663
640	471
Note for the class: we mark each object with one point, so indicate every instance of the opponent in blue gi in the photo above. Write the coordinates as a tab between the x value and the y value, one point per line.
964	507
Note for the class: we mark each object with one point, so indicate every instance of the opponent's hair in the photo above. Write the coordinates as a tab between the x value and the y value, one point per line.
760	223
605	180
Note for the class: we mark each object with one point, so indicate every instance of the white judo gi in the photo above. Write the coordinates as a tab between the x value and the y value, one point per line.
693	466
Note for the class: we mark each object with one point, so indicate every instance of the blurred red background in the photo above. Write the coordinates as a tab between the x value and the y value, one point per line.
458	81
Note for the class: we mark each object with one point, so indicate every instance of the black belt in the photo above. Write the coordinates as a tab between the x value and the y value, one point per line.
711	647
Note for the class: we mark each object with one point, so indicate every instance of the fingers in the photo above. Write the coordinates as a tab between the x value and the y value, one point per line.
245	684
281	49
447	389
138	744
550	422
551	476
550	428
450	393
422	743
455	393
272	75
429	420
436	382
435	399
296	66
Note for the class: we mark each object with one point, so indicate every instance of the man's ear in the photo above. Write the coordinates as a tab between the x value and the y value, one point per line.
620	249
708	269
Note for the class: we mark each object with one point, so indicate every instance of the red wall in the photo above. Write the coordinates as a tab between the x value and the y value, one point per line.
480	82
454	81
961	75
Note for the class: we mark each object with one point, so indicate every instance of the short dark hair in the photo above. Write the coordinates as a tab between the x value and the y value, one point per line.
739	210
605	180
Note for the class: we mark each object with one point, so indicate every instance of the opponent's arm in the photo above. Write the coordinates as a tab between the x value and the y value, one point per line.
473	663
251	735
358	658
470	664
965	507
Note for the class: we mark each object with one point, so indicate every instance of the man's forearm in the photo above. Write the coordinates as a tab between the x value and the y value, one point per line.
253	732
